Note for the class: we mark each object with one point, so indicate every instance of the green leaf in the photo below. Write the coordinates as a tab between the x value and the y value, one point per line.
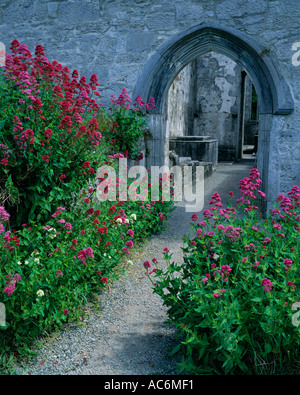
256	300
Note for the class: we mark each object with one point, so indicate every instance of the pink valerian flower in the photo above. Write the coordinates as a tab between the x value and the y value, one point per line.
291	284
84	254
129	243
232	233
266	241
28	135
207	214
288	263
9	289
216	295
194	217
225	269
3	214
11	284
199	232
68	226
166	249
125	249
130	233
147	264
294	192
205	280
267	284
215	198
59	273
48	133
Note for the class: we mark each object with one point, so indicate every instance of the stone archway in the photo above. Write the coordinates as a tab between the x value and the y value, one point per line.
274	95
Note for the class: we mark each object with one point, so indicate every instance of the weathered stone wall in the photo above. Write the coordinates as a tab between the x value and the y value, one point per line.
181	99
115	39
216	106
203	100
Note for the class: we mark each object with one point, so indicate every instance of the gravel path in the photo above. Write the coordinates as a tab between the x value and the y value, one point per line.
128	335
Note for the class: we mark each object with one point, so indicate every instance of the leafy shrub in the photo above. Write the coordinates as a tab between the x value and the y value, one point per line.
232	298
60	244
127	124
48	132
48	271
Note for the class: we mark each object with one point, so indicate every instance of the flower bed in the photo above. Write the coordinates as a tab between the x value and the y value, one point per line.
60	243
234	299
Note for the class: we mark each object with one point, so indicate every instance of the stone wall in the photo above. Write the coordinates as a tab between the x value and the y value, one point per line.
120	41
181	98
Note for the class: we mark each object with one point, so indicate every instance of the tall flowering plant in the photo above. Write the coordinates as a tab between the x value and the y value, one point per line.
48	132
128	122
234	297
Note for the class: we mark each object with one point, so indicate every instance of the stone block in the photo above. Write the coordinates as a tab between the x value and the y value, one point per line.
137	42
190	12
71	12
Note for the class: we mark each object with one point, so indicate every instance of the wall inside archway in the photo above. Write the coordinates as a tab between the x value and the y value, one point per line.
203	100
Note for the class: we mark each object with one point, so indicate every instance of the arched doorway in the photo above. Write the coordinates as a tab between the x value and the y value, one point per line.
273	93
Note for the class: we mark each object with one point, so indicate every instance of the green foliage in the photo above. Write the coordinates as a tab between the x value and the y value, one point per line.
232	298
60	243
126	131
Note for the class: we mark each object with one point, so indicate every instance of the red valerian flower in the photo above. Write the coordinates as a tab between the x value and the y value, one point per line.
66	312
48	133
46	158
62	177
104	279
94	79
86	165
267	284
39	51
97	212
37	103
75	74
147	264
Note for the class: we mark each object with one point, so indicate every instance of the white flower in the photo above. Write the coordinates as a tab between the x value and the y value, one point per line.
19	263
53	232
36	260
104	254
129	262
26	262
133	216
35	252
119	220
40	293
126	221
